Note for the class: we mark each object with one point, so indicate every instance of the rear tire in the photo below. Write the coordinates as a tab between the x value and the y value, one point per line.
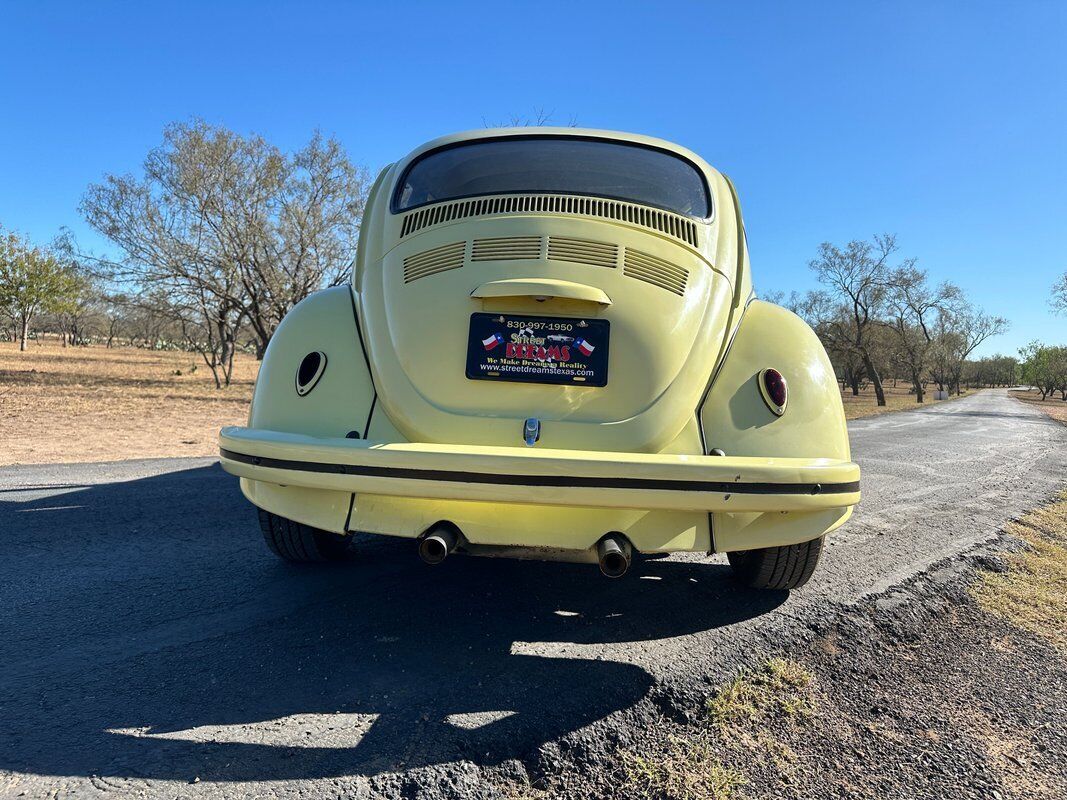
299	543
787	567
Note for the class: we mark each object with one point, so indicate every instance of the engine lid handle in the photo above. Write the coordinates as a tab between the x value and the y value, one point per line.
542	289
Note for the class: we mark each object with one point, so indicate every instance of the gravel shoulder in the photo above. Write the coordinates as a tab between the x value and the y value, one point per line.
918	693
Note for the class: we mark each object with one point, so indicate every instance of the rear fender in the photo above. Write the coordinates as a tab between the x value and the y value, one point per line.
735	419
339	405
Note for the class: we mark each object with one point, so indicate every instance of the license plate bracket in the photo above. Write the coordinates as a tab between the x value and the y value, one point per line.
532	349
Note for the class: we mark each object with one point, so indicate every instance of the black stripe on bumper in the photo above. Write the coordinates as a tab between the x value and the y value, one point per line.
721	487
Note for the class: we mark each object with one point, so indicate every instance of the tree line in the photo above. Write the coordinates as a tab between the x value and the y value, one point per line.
1045	368
217	239
222	234
880	315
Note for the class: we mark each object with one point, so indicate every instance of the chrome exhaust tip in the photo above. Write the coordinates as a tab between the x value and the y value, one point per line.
613	554
437	543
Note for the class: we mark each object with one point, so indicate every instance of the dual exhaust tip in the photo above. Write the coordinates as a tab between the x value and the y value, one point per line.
614	553
437	543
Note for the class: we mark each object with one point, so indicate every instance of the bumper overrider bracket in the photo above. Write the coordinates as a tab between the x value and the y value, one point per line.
594	479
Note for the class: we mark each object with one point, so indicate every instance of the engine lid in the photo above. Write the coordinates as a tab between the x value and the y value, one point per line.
655	309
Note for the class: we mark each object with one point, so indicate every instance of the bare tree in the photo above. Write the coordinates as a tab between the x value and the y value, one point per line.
913	308
232	230
971	327
316	213
1058	300
875	320
539	119
858	278
116	310
152	320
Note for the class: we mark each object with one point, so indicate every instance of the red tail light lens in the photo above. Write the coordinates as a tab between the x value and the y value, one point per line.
774	390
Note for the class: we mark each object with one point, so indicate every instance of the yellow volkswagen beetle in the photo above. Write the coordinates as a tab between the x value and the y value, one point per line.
550	348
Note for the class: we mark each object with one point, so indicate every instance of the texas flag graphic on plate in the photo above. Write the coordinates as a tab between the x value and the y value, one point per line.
584	346
493	341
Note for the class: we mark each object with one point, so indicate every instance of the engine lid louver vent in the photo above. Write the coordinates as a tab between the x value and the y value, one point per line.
665	222
581	251
439	259
655	270
506	249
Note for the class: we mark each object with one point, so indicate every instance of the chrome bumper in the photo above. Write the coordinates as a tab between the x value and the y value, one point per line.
548	477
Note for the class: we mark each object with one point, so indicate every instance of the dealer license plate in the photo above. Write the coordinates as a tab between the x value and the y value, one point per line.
518	347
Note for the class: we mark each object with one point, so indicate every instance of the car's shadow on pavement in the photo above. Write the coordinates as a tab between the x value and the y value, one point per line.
148	635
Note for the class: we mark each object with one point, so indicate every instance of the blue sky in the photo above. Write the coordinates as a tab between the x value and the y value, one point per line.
945	123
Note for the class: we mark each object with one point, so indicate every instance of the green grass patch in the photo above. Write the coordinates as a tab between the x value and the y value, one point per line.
779	688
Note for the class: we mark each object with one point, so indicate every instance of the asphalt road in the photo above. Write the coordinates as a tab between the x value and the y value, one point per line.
150	645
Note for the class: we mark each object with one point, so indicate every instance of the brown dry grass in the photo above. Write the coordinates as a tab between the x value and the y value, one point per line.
1032	593
1051	405
897	398
93	404
690	768
684	770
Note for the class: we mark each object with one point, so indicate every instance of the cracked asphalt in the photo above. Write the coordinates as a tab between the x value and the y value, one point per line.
150	645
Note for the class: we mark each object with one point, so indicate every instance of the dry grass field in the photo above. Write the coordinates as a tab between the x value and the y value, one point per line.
69	404
93	404
1051	405
897	398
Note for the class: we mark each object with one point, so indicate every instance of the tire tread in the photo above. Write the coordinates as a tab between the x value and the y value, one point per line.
299	543
787	567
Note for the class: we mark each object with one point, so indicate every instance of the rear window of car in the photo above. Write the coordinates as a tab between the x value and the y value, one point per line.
560	165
